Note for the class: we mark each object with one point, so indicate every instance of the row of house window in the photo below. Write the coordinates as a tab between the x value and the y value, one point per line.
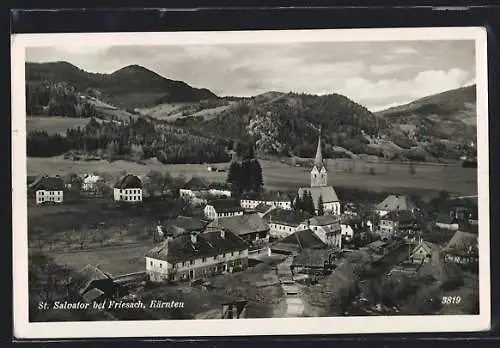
132	191
204	259
130	198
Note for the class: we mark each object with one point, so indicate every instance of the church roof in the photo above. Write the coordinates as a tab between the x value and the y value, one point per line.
327	193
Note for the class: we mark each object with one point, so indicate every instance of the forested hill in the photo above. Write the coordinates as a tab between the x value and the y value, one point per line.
129	87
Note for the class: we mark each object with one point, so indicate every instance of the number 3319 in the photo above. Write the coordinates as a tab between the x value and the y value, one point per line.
451	300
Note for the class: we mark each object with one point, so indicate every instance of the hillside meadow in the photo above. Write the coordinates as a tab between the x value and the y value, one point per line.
54	124
359	174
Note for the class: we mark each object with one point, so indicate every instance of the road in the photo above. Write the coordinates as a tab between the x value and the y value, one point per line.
294	303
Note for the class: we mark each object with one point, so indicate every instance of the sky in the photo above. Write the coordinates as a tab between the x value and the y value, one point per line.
375	74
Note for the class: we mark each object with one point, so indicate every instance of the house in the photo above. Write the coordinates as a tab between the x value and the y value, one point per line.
263	209
326	227
94	284
346	231
253	229
319	188
194	185
222	208
313	261
179	225
397	223
378	247
220	189
48	189
128	189
423	252
197	256
283	223
298	241
447	222
462	249
91	182
276	199
395	203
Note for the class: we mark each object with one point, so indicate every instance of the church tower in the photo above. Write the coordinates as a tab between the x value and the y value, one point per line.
319	174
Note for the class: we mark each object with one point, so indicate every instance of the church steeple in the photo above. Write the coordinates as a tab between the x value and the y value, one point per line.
319	173
318	160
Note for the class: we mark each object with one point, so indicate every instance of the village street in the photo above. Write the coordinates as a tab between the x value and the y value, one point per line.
294	303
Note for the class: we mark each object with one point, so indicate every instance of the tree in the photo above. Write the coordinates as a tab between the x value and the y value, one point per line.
111	151
299	203
321	210
309	203
156	181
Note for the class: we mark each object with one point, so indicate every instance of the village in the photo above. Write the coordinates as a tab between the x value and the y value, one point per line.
278	254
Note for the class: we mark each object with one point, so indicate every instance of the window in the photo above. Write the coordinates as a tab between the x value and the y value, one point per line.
215	257
151	263
191	262
161	265
232	253
203	259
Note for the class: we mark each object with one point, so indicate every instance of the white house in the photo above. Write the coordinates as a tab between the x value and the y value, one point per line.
220	189
48	189
128	189
320	190
193	188
283	223
196	256
278	202
326	227
221	208
346	231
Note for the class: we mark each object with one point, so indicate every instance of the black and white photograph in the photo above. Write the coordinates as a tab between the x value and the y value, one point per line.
315	181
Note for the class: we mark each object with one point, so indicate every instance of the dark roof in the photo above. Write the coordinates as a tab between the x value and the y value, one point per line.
241	224
312	257
396	202
209	243
299	240
446	219
92	295
220	186
183	224
402	216
287	217
268	196
88	274
225	205
262	208
128	181
324	220
47	183
196	184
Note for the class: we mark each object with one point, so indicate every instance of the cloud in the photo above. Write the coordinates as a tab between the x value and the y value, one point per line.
383	69
392	91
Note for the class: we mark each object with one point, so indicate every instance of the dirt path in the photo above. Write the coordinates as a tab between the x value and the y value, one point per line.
294	303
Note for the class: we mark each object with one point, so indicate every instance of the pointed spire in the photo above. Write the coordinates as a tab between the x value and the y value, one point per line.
318	161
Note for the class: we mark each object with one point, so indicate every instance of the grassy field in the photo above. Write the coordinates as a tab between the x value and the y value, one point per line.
393	177
114	260
54	124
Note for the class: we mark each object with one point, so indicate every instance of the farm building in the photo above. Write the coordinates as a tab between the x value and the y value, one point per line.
326	227
196	256
447	221
298	241
179	225
462	249
193	186
128	189
47	189
313	261
283	223
395	203
263	209
251	228
220	189
91	182
94	284
222	208
320	190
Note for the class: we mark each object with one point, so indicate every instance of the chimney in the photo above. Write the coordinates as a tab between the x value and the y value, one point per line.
222	233
193	238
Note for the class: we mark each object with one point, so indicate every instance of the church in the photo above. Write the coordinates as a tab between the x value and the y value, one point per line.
319	185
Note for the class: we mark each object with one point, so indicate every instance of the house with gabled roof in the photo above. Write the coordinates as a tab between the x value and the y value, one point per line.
95	284
253	229
48	189
197	256
424	252
326	227
395	203
277	199
128	189
396	223
193	187
283	223
222	208
264	209
462	249
298	241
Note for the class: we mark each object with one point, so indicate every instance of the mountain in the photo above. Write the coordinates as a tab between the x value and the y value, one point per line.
129	87
448	115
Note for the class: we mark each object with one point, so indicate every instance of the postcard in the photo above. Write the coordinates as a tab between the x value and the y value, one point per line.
250	183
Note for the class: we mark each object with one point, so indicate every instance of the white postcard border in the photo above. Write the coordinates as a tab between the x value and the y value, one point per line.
23	329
